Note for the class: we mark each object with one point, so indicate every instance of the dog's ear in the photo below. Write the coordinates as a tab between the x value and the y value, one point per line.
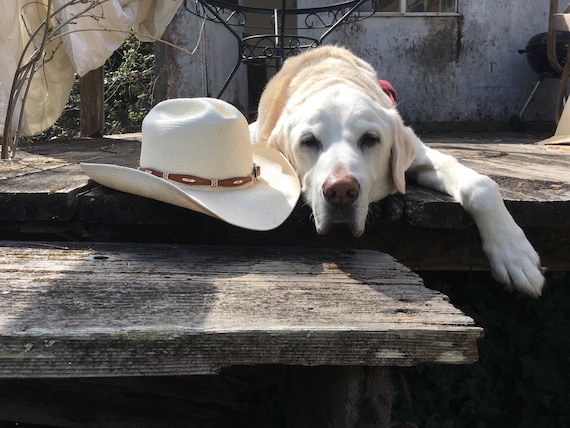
403	153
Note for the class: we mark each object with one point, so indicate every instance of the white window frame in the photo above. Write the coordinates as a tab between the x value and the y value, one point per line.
402	11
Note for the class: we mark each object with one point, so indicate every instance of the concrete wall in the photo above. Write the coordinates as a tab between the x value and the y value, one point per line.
457	68
462	68
203	73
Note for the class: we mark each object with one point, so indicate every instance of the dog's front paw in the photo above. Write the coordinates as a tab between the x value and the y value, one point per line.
515	263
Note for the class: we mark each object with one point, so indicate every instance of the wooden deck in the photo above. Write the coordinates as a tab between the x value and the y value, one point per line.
107	334
210	325
44	195
100	310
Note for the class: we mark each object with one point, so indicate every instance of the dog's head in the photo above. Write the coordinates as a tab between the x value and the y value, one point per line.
348	150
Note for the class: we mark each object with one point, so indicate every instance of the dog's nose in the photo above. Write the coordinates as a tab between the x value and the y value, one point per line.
341	190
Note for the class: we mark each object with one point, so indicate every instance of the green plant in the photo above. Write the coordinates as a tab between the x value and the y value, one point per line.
521	379
129	93
129	86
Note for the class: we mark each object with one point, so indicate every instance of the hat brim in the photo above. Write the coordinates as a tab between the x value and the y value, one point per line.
263	205
557	140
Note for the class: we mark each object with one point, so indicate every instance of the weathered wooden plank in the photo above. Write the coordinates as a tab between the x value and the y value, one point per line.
37	187
27	164
529	172
120	309
120	149
46	195
444	235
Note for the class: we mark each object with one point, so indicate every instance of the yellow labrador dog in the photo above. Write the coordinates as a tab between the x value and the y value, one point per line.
325	111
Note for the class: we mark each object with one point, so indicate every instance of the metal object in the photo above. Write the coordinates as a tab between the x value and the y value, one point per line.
270	45
537	58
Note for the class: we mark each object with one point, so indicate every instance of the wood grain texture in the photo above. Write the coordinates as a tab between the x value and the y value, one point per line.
44	195
528	172
121	309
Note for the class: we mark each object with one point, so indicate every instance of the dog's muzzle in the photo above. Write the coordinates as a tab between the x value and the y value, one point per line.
340	193
341	190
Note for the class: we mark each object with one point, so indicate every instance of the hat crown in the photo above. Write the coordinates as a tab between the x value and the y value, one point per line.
203	137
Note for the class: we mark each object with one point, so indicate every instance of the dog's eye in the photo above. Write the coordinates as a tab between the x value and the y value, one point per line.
309	141
368	141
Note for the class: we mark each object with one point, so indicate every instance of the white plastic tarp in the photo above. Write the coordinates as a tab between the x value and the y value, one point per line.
93	30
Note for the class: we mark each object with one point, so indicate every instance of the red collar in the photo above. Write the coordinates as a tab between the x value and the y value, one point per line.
388	90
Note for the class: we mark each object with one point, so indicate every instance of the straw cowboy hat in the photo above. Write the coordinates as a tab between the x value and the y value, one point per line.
196	153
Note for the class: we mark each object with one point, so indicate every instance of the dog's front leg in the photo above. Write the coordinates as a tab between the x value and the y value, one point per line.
513	260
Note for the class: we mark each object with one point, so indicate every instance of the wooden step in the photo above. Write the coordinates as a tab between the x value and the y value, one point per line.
101	310
45	195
